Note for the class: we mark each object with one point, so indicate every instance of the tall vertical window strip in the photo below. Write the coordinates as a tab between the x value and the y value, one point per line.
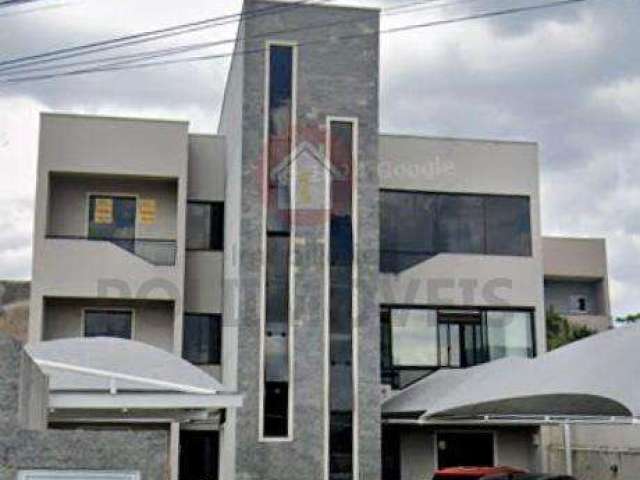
276	374
341	255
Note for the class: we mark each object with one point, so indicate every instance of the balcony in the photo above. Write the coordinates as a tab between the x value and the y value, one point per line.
154	251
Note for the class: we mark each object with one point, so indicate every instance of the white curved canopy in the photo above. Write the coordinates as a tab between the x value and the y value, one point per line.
595	377
89	364
125	377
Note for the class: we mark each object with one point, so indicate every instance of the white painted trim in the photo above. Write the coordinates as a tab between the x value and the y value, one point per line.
354	300
142	401
76	474
123	376
109	309
263	273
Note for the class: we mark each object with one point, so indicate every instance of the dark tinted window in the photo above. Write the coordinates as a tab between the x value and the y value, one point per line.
202	338
276	334
205	225
340	303
108	323
114	219
416	225
508	226
460	224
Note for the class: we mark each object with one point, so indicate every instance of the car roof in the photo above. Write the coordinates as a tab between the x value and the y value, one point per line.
476	471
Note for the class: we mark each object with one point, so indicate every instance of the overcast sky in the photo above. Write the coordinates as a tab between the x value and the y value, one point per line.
568	78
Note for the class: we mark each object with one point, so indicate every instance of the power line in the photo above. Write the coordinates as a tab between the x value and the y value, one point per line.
151	35
116	67
21	69
148	55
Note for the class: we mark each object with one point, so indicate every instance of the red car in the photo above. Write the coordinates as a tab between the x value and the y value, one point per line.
477	473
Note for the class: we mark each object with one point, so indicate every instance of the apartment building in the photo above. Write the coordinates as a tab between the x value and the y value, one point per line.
315	271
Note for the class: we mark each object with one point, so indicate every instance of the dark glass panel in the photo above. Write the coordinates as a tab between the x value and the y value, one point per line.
461	224
508	226
199	455
202	338
276	397
340	307
108	323
205	225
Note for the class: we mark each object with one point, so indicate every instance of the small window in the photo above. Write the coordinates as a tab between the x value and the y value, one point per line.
108	323
205	225
579	304
202	343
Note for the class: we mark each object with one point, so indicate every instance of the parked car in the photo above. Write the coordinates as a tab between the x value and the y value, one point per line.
477	473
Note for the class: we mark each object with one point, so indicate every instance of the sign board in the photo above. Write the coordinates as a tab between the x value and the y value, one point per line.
148	209
103	213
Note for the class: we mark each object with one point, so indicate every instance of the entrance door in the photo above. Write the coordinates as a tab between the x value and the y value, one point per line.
199	451
465	449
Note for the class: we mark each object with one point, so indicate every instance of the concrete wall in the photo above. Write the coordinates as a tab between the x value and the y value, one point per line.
115	147
600	452
152	320
231	122
334	78
142	451
467	166
418	460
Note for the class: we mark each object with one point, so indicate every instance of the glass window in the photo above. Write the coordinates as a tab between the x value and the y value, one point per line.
278	231
108	323
202	338
205	225
415	339
460	224
114	219
416	225
510	334
508	226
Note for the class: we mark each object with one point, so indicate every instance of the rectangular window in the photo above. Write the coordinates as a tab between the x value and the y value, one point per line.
113	218
510	334
508	226
202	338
275	336
416	225
108	323
414	334
341	300
418	340
205	225
460	224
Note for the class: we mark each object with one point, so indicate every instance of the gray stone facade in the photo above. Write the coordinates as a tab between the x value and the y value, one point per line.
21	449
337	76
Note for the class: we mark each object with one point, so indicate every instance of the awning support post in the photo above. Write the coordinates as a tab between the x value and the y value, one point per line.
568	449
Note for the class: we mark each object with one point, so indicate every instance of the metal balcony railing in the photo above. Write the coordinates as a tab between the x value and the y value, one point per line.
158	252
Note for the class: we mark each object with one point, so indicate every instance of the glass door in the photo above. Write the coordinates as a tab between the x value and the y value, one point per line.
461	339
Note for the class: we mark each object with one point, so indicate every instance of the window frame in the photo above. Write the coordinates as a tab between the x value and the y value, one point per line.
217	348
441	310
214	246
112	195
436	235
131	311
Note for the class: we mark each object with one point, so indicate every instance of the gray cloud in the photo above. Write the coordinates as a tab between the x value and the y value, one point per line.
564	77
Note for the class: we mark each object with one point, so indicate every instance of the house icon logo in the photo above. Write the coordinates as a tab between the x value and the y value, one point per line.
309	166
